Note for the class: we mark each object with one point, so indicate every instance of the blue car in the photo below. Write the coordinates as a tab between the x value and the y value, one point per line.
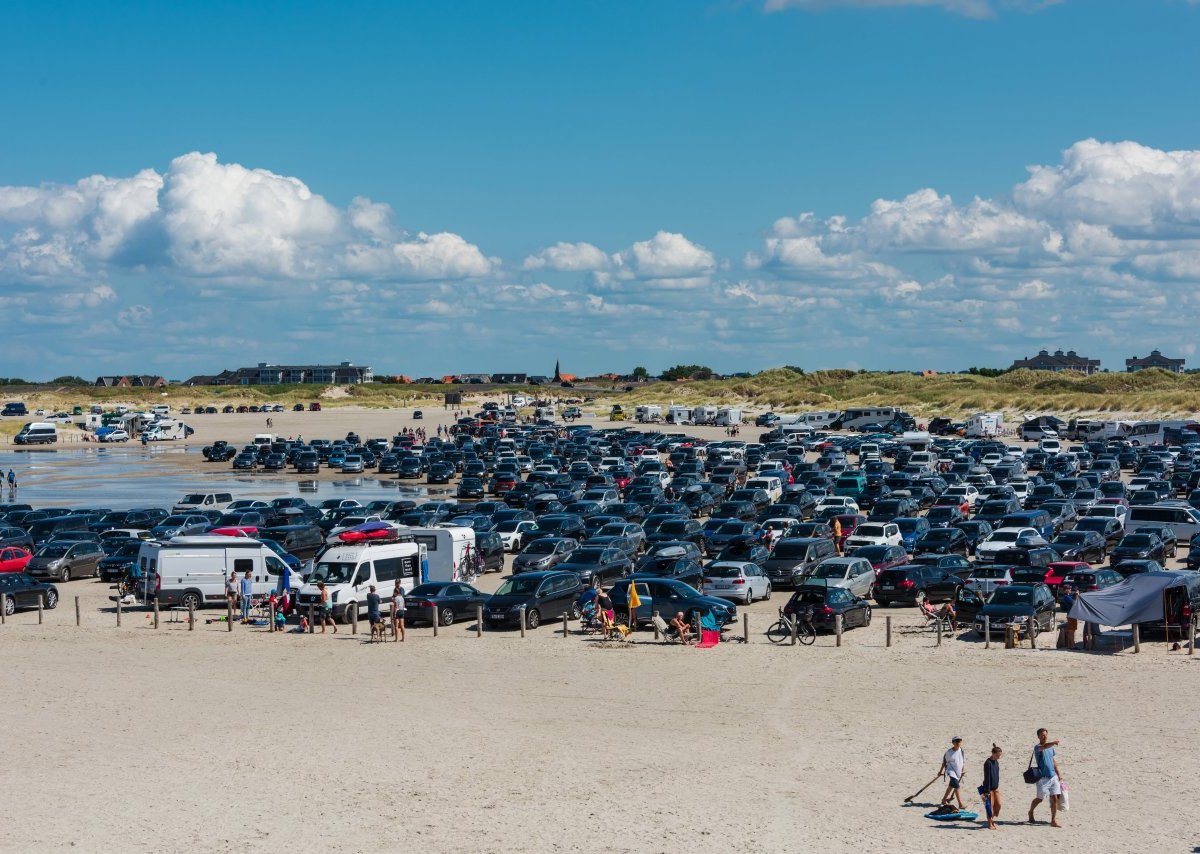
667	597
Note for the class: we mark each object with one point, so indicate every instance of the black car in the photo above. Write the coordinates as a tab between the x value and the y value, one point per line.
490	546
440	473
976	531
670	565
470	487
453	600
745	550
1139	547
1080	544
597	564
942	541
21	590
307	462
116	564
409	468
1134	567
910	584
543	595
1165	533
1022	605
1106	526
560	525
954	564
827	603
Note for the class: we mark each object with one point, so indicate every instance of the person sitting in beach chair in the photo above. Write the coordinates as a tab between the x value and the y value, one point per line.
944	615
680	628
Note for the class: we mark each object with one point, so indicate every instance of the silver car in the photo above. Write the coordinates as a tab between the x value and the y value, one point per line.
853	573
743	582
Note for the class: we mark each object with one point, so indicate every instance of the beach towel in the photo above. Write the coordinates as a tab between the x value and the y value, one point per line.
708	639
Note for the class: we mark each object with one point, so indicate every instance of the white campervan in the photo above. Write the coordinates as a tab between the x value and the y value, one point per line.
191	571
349	569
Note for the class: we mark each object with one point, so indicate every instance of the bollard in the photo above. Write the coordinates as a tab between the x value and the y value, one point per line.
521	615
312	627
228	615
4	609
656	632
745	627
564	626
1137	638
888	622
118	611
271	625
1009	637
837	628
987	633
433	619
1032	631
156	613
478	621
39	610
354	621
76	611
795	626
191	617
939	633
1192	637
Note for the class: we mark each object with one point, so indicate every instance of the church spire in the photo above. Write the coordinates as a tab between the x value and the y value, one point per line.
557	372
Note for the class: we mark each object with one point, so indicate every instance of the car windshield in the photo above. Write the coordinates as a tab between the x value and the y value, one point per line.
872	553
1080	579
731	528
518	587
1005	536
587	555
908	526
129	549
540	547
1093	523
988	572
1136	540
938	534
718	571
510	526
1072	537
426	590
869	531
1011	596
193	498
332	573
830	570
53	550
174	520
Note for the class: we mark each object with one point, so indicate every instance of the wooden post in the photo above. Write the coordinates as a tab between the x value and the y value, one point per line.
1137	638
987	633
4	607
837	628
656	632
118	611
39	610
888	622
1192	636
354	622
77	611
191	617
228	614
433	619
271	617
939	632
564	626
795	626
156	612
478	621
521	616
746	626
312	626
1032	631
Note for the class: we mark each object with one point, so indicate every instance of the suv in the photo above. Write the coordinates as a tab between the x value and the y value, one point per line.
1021	605
544	595
794	558
913	583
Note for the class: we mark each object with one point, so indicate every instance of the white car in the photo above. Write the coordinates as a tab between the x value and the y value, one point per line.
985	579
1020	489
853	573
1046	445
1109	511
843	503
1005	538
115	436
514	532
875	534
964	491
729	579
58	418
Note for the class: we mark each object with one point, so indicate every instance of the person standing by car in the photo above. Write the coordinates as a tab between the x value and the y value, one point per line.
326	609
1049	784
374	617
247	594
990	790
231	590
1067	600
952	767
398	613
837	535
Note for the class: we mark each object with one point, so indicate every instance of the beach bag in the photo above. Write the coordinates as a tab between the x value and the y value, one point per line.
1032	775
1063	799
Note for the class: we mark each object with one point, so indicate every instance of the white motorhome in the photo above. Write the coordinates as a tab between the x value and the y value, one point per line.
862	416
349	569
679	415
648	414
160	409
192	571
446	551
984	425
166	430
727	417
917	440
704	415
819	419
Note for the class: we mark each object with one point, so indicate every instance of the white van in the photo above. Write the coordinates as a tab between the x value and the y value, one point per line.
349	570
161	409
194	502
193	570
772	485
37	433
1184	521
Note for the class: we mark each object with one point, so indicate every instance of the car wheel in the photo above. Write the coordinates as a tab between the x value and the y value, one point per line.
191	601
64	574
51	600
575	613
867	616
446	617
10	606
96	571
767	595
532	619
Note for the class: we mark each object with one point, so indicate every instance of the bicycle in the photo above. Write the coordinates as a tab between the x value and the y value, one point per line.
802	625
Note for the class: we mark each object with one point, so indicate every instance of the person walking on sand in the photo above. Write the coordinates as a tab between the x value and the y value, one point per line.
12	481
326	609
990	790
1049	784
398	609
952	767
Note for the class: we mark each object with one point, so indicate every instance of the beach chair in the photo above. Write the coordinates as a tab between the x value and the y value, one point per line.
934	618
613	630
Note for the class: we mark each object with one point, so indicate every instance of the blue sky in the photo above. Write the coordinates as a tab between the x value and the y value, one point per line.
431	187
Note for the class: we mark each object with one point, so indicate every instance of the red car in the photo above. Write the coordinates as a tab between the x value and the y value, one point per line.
13	559
502	483
314	407
1057	571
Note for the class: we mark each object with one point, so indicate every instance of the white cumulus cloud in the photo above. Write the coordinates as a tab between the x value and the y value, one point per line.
667	256
568	257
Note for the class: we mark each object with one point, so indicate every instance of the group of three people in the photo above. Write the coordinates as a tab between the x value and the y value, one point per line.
1049	781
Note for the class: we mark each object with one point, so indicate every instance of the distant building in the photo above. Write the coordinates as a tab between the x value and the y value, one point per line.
130	381
473	379
345	373
510	379
1155	360
1058	362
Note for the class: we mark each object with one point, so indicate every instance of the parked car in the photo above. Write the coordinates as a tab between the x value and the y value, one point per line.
914	583
544	554
745	582
14	559
987	578
853	573
597	565
794	558
1139	547
543	595
451	600
21	590
827	603
942	541
882	557
668	596
1089	580
1022	605
66	560
1078	544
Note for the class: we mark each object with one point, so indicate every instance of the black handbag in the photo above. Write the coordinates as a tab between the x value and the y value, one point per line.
1032	775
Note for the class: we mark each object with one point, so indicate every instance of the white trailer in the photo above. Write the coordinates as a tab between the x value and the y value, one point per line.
984	425
916	440
704	415
446	552
648	414
728	417
679	415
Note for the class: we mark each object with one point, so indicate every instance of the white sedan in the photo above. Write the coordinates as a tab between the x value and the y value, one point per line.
729	579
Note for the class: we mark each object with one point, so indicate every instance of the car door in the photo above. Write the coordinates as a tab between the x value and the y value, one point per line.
24	590
863	581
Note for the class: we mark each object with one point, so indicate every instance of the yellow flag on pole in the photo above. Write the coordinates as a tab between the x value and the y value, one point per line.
634	601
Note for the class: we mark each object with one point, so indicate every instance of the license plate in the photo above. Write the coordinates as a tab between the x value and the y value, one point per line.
886	587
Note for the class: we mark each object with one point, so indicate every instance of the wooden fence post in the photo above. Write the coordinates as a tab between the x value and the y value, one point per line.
77	623
837	628
795	628
156	612
271	617
1192	636
1137	638
354	622
191	617
521	615
433	619
888	622
656	632
1032	632
564	626
39	610
746	626
478	621
312	626
987	633
228	614
939	632
118	611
